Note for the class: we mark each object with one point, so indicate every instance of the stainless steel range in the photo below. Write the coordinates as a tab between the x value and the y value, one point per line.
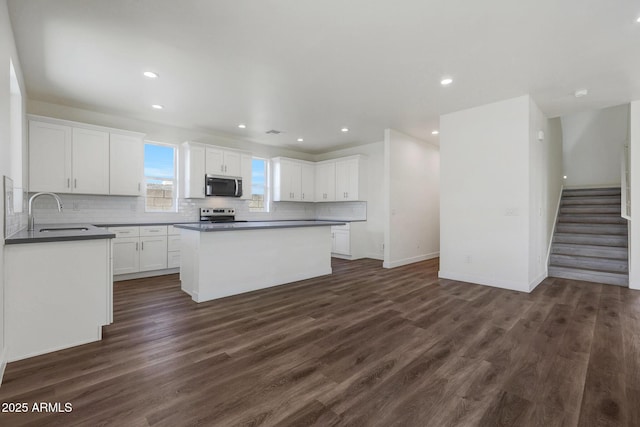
218	215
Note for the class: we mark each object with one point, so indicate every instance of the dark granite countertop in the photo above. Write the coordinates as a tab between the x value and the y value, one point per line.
59	233
143	224
256	225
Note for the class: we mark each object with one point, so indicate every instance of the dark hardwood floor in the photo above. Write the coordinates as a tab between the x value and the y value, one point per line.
363	347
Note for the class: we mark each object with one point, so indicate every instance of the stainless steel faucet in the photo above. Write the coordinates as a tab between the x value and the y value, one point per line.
32	198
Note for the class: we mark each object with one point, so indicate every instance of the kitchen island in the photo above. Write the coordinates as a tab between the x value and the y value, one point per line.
220	260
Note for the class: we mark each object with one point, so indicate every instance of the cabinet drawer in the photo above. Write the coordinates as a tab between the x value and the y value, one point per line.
172	231
125	231
153	230
173	259
173	243
340	227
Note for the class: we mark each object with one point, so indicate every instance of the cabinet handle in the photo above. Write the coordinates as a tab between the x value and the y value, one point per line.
203	191
75	183
136	246
142	245
138	187
221	168
68	182
302	196
225	168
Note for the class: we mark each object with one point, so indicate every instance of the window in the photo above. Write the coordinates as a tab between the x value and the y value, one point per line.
160	178
259	185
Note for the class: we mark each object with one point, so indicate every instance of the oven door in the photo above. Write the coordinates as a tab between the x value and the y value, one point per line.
223	186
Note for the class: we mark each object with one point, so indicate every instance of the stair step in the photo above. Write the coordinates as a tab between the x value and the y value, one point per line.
612	252
592	219
616	229
581	192
590	209
598	200
591	239
590	263
589	276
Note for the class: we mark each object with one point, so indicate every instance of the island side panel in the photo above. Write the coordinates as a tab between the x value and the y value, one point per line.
189	261
234	262
56	295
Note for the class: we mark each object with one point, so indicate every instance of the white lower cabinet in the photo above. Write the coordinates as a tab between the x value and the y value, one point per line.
173	247
341	240
142	248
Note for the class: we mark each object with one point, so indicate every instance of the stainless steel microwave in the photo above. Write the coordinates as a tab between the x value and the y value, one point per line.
224	186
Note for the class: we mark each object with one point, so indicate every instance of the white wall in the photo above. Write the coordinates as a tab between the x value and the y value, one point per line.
412	190
485	194
593	142
7	54
374	236
634	235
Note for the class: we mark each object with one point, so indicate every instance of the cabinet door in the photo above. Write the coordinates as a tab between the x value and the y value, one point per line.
341	242
232	163
173	259
193	171
49	157
325	182
215	161
307	183
295	181
246	168
153	253
126	165
126	255
90	161
347	180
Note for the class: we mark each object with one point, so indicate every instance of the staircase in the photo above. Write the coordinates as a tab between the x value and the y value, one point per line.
590	240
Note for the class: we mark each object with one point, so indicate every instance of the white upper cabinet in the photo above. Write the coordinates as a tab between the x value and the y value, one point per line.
49	157
70	157
348	172
325	182
246	170
308	182
90	161
193	170
126	165
223	162
287	180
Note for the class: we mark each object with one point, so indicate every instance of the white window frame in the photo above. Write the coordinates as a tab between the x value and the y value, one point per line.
175	178
267	185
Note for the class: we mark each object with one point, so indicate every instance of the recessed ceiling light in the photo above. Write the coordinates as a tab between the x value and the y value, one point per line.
242	126
638	20
564	177
150	74
300	139
580	93
345	129
435	132
157	106
446	81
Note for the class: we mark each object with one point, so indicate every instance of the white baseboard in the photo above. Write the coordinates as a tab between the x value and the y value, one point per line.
486	281
143	274
373	255
98	337
406	261
3	364
535	282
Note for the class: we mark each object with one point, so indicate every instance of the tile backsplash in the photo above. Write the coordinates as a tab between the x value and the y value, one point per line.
13	221
116	209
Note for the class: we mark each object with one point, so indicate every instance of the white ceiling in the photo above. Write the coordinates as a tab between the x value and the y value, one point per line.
310	67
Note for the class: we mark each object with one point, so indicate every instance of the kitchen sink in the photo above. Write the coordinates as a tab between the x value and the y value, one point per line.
45	230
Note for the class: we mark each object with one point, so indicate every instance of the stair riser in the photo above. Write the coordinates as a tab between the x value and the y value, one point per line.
592	193
591	219
621	280
570	201
596	251
598	264
591	210
618	230
596	240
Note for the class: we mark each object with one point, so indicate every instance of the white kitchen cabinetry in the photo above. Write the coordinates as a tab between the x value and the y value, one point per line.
126	165
193	170
90	161
223	162
325	182
293	180
246	169
71	157
49	157
139	249
173	247
341	240
348	179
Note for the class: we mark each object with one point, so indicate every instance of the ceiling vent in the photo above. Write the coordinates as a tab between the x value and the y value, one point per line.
274	132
